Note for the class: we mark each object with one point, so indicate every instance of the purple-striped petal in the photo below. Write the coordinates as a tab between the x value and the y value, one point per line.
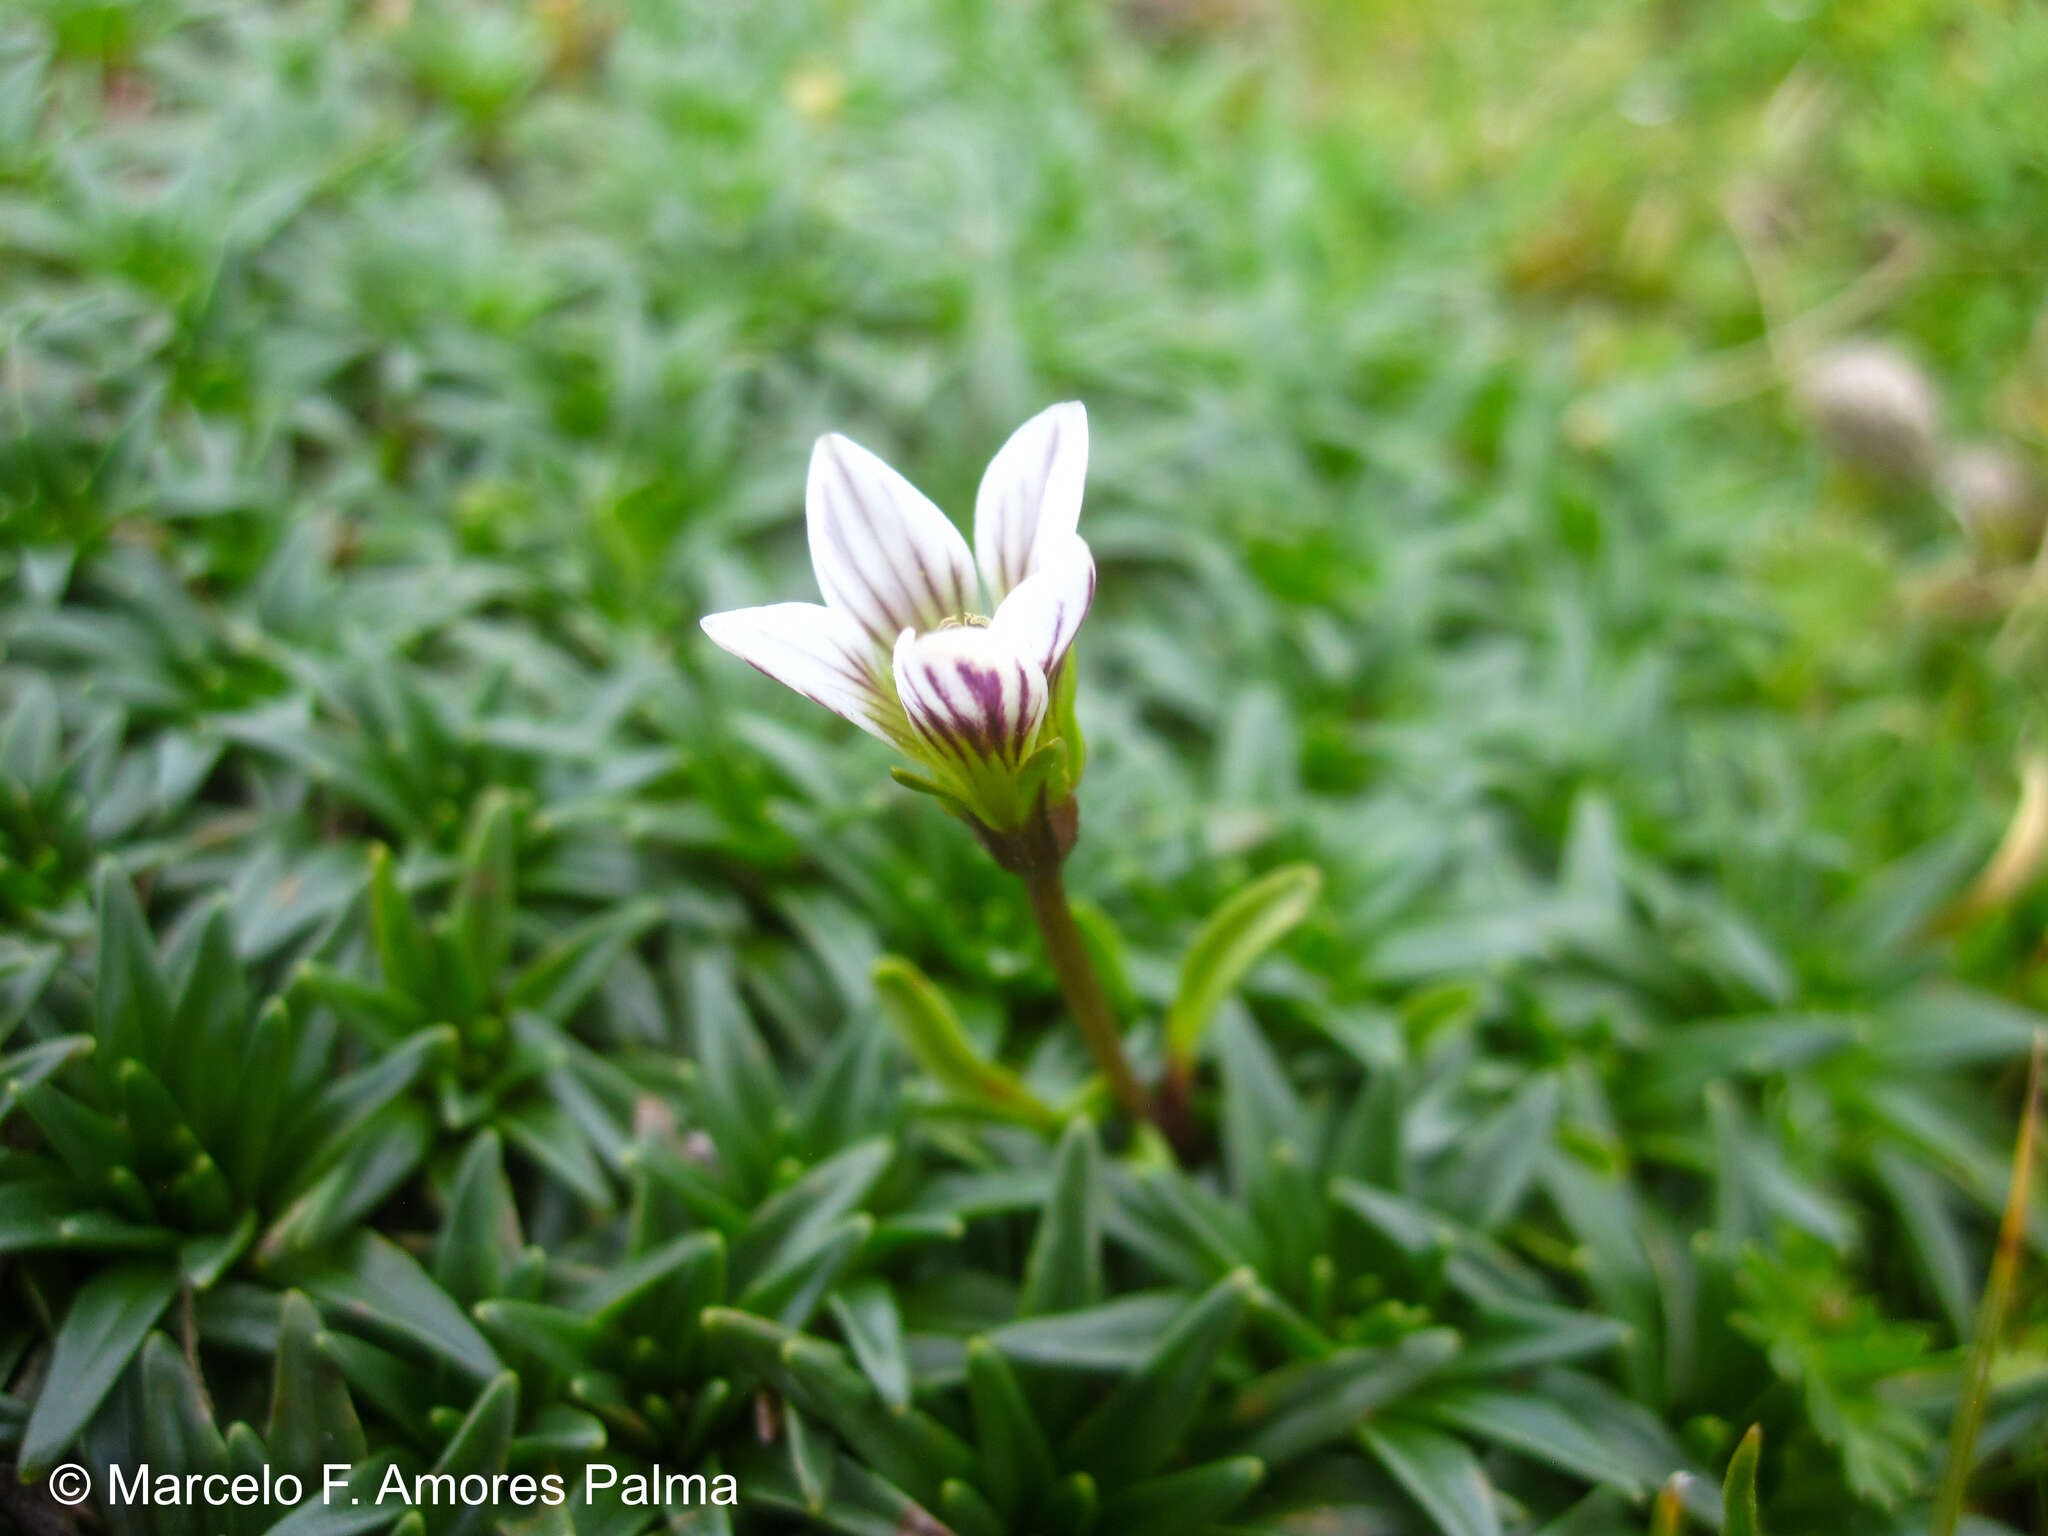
1030	499
884	555
820	653
971	698
1044	611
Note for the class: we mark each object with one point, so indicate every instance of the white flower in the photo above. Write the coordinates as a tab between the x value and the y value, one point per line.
954	658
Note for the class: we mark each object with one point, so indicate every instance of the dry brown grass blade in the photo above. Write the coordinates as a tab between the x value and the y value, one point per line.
2005	1263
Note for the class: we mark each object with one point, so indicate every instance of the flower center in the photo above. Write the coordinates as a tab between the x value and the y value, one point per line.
963	621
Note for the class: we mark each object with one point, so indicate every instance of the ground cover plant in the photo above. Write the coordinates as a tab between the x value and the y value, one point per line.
1559	825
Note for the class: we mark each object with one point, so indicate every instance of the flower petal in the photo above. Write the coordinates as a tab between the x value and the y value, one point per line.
885	556
970	696
819	652
1030	498
1044	611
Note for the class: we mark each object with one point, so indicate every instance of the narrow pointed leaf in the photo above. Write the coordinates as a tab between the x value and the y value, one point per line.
1016	1459
873	1329
1439	1473
105	1325
312	1420
930	1031
1183	1501
1064	1271
1738	1489
1138	1426
1233	940
132	1005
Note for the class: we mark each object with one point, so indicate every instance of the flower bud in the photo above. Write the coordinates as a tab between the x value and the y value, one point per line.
1875	408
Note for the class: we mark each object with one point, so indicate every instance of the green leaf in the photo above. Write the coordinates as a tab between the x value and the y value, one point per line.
354	1509
1016	1459
1064	1271
862	1504
739	1093
813	1459
1537	1428
212	1012
47	1213
1233	940
792	1221
485	1436
873	1329
929	1029
1139	1425
966	1512
380	1157
1738	1489
909	1448
1260	1107
31	1065
1499	1157
378	1285
132	1004
1439	1473
107	1322
204	1259
1301	1407
487	891
402	945
560	1433
790	1290
381	1014
1071	1508
32	739
1183	1502
312	1420
261	1093
563	975
92	1145
178	1426
1116	1336
480	1232
555	1337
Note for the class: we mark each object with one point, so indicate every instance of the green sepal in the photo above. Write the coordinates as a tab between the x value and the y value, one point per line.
918	783
1046	772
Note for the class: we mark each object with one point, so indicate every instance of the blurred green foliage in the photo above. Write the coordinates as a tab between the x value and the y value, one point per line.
437	1025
